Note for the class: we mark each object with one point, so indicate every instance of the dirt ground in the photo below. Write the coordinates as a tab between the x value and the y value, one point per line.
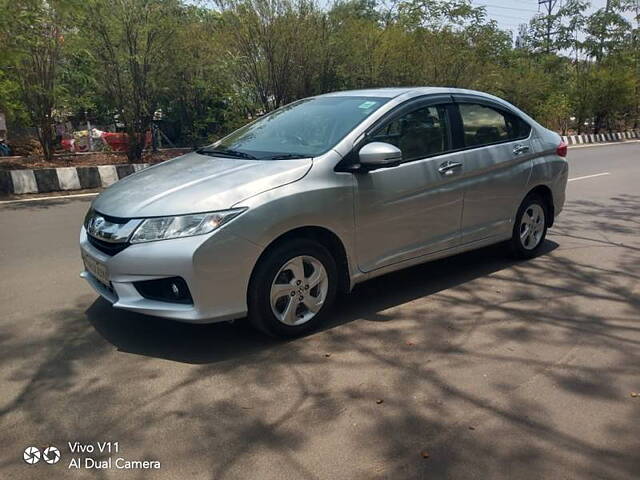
85	159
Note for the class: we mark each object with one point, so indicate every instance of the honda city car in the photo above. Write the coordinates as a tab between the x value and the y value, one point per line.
274	220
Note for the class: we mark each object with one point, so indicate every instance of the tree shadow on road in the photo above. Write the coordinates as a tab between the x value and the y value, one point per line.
424	340
489	368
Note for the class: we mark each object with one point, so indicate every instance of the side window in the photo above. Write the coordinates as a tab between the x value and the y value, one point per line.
484	125
420	133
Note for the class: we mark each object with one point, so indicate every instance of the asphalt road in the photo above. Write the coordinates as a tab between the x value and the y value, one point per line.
487	367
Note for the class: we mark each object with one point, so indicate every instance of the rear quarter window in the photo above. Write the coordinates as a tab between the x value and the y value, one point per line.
484	125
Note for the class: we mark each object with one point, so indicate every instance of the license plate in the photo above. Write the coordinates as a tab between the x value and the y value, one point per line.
96	268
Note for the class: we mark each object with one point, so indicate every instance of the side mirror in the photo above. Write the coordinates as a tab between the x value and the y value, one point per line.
376	155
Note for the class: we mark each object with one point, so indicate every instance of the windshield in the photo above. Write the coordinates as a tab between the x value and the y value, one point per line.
306	128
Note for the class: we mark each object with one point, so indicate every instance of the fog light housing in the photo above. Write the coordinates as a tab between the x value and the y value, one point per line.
172	290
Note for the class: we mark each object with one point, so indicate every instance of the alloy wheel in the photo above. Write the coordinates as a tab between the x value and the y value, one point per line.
532	226
299	290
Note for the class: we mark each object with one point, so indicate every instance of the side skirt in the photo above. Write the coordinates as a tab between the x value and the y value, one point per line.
362	277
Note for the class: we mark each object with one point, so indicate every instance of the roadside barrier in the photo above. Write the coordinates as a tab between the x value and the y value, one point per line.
43	180
588	138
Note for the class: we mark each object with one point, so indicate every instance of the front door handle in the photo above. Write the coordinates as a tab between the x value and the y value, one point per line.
447	168
518	149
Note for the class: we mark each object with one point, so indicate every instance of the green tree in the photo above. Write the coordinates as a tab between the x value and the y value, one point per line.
633	50
200	99
612	89
606	30
211	69
277	48
130	41
556	27
34	34
555	112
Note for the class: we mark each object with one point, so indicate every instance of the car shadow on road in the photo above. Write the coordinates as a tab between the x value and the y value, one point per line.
211	343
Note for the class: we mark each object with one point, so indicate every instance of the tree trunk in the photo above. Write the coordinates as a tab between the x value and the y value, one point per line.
134	154
598	123
135	144
45	136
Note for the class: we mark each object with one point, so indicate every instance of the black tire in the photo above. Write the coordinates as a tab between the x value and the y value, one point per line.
261	315
518	247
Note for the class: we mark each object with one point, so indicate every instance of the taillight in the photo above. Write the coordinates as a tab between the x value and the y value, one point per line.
562	149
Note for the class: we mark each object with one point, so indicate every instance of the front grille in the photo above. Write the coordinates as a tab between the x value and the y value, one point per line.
107	247
111	219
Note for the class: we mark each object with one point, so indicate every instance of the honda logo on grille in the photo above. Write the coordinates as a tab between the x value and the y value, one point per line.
114	232
95	224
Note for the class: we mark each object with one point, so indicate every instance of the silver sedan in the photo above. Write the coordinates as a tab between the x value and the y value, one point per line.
272	221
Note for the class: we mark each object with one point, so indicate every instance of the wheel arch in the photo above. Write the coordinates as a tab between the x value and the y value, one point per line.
327	238
545	192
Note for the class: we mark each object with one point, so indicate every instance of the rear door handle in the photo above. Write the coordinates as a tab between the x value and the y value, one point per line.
447	168
518	149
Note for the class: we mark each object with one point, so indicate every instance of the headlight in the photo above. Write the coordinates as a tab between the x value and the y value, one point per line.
164	228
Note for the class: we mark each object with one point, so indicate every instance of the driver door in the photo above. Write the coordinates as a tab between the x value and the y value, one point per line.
415	208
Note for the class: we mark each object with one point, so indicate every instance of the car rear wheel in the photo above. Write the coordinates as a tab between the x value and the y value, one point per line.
292	288
530	228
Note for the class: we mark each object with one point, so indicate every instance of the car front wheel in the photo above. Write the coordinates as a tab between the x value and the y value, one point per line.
292	288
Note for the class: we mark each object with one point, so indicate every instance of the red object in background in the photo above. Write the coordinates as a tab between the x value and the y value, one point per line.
67	144
118	142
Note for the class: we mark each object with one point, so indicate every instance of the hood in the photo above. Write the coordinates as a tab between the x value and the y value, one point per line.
196	183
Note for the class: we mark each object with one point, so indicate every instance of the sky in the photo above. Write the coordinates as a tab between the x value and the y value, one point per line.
511	13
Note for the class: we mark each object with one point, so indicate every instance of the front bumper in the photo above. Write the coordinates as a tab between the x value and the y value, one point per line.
216	267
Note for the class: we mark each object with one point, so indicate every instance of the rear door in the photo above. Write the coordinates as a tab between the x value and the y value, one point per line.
497	163
415	208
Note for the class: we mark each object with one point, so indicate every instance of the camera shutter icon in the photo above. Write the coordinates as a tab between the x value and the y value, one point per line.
51	455
31	455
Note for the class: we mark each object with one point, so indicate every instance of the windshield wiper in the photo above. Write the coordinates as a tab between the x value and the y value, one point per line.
286	156
226	152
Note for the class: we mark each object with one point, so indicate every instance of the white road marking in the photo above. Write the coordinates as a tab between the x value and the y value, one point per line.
59	197
588	176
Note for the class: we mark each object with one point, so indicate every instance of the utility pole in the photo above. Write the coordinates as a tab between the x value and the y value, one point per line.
548	7
607	10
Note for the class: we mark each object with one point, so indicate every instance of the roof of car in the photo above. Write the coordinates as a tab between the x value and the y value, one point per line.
411	92
392	92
